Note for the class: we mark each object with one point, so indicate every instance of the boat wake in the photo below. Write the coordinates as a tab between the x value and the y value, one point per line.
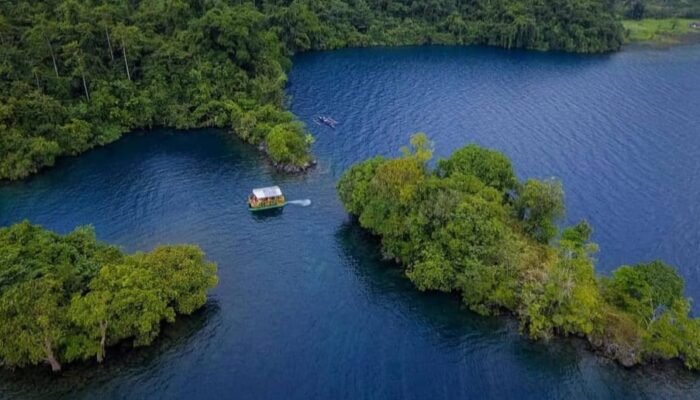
303	203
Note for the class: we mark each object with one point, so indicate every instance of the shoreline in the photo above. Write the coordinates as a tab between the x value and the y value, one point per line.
287	167
691	38
661	33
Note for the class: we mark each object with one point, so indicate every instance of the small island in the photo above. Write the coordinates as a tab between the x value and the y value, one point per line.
68	298
469	227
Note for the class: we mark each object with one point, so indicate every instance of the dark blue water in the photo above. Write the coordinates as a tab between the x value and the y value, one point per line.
306	309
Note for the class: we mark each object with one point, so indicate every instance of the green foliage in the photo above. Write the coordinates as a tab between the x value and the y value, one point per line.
473	253
658	9
662	31
29	252
421	148
388	191
64	298
125	300
490	167
354	187
451	230
78	75
539	205
471	228
32	323
667	336
184	272
75	75
566	299
644	290
287	144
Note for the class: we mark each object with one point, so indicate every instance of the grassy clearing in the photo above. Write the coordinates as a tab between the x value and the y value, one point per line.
663	31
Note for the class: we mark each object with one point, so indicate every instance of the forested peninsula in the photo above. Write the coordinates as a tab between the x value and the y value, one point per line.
68	298
78	74
469	227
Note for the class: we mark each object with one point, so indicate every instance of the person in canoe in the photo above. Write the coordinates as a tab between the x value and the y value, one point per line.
328	121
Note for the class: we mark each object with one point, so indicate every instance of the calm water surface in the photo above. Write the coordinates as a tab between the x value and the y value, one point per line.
306	309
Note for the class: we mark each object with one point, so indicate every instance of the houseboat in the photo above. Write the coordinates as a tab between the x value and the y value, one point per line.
266	199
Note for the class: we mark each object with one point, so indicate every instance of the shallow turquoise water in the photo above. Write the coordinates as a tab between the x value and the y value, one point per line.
305	308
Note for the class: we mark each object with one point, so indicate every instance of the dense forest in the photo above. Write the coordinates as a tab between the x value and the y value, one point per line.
67	298
78	74
468	226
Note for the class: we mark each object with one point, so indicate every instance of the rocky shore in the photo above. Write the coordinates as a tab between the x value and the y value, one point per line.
287	167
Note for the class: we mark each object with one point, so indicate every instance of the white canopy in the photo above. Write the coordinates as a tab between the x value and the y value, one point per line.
267	192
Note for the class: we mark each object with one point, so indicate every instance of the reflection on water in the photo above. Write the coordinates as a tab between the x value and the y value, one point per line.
450	326
263	215
306	308
450	323
123	361
385	281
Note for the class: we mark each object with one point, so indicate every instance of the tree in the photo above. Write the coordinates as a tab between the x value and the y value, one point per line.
125	300
31	323
185	274
128	36
644	290
563	297
433	271
30	252
421	148
637	10
286	144
75	136
93	313
75	59
539	205
69	297
491	167
354	187
299	28
40	37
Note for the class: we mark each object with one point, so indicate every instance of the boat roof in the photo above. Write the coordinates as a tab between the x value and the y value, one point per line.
267	192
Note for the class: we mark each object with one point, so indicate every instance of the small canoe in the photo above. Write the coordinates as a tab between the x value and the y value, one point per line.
328	121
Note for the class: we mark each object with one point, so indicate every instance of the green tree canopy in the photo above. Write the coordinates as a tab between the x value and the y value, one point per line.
69	297
490	167
32	322
79	74
644	289
286	144
470	228
540	204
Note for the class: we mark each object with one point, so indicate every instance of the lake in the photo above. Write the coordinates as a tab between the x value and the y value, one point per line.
306	308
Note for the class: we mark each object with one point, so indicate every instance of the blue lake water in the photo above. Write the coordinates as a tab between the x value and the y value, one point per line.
306	309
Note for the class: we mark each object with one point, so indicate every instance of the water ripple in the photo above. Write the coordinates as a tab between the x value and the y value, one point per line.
306	308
